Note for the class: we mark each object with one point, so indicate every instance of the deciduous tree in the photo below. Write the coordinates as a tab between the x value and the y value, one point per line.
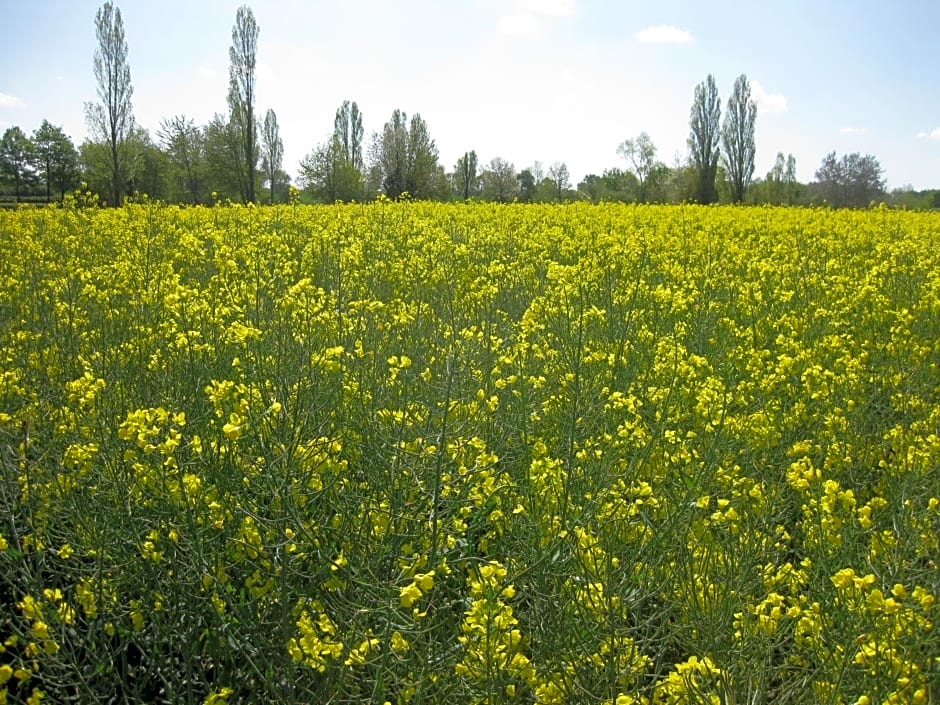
55	158
561	180
466	180
422	175
528	190
225	163
111	120
16	155
853	181
704	135
243	59
184	144
272	151
738	138
640	153
347	126
404	158
499	181
790	178
328	176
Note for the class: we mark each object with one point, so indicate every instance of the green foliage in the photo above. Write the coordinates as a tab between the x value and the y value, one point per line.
55	159
704	137
144	168
111	120
185	146
528	189
614	185
272	152
560	181
466	179
17	153
225	166
499	181
404	160
640	153
243	60
738	138
348	129
468	453
854	181
327	175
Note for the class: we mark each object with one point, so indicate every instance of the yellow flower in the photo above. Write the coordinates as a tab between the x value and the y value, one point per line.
399	644
409	595
425	581
844	578
232	431
219	697
40	630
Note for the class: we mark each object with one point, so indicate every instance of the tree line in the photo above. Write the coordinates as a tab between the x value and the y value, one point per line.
239	155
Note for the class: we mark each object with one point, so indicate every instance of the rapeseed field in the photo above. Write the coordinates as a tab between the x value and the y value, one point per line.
470	453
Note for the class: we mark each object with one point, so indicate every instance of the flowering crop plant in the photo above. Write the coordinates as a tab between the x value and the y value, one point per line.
470	453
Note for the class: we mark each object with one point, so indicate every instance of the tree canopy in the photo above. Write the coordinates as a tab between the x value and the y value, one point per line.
236	154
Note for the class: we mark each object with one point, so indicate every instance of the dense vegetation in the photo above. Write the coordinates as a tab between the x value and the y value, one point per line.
429	453
239	157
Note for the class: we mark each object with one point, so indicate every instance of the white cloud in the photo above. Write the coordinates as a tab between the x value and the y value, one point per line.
10	101
854	130
932	135
206	72
664	34
767	102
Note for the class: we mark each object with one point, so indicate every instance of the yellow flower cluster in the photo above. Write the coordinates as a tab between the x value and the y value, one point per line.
412	452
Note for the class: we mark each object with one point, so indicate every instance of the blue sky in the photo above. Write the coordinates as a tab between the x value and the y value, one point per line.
526	80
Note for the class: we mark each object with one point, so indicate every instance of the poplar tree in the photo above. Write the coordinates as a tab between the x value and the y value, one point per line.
347	127
738	138
243	59
272	150
704	135
111	120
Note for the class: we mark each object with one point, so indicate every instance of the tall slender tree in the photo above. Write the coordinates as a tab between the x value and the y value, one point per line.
704	135
243	60
790	178
393	154
347	126
111	120
272	150
465	175
404	159
421	180
737	138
